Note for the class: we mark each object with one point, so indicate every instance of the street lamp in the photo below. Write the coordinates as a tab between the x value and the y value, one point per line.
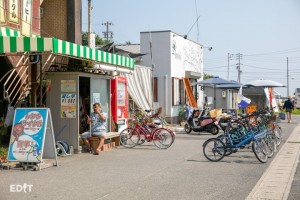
209	48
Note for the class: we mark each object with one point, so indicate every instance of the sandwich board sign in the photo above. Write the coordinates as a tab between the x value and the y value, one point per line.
32	136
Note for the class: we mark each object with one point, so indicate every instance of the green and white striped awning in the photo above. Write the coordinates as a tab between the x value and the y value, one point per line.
5	31
15	44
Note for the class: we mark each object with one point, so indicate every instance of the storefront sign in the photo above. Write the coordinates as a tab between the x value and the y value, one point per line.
13	11
26	17
2	12
68	106
32	131
68	85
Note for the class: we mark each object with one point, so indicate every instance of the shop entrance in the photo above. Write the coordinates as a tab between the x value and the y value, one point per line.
71	100
92	90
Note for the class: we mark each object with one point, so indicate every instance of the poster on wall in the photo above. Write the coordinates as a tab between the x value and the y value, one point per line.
32	136
2	12
13	11
68	85
121	94
96	98
68	106
26	18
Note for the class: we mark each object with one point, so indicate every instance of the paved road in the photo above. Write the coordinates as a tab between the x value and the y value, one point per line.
180	172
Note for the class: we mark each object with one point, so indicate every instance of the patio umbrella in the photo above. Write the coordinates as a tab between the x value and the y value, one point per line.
264	83
232	85
213	81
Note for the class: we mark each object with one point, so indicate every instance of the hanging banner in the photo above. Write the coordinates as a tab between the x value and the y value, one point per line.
2	12
68	106
32	136
26	18
13	11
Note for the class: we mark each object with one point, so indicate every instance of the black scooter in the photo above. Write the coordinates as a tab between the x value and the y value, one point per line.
198	122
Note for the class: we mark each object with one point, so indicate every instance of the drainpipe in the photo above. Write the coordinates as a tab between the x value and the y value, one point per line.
166	93
33	73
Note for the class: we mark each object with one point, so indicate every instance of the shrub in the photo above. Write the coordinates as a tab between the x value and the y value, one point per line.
296	112
3	154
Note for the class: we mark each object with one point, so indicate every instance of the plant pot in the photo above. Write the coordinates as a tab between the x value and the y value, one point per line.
182	123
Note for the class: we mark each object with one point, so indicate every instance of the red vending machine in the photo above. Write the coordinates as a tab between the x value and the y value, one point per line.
119	101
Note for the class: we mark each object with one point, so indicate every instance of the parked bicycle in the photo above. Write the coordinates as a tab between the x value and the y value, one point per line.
241	132
142	130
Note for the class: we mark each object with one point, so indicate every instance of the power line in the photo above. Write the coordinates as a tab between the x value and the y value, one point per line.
297	49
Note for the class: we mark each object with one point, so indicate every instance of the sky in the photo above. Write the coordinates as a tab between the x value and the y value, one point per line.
265	32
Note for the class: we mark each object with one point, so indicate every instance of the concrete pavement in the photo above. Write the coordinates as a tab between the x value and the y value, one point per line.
281	180
277	180
181	172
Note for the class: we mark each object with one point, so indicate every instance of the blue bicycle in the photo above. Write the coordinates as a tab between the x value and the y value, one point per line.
215	149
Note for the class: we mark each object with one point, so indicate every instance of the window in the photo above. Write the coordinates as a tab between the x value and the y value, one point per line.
178	93
195	92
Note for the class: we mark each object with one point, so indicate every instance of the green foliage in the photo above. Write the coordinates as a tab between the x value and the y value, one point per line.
98	39
3	153
207	76
181	114
296	112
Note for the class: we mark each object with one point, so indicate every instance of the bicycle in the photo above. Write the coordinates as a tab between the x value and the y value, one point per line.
233	139
140	132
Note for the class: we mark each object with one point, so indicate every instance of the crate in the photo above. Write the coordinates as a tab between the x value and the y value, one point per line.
251	109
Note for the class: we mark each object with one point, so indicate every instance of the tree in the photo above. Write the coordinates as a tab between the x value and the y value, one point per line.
98	39
207	76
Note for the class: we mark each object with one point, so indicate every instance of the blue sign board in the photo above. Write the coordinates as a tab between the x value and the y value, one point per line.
30	126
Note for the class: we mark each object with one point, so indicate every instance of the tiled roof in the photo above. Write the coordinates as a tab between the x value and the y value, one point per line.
132	48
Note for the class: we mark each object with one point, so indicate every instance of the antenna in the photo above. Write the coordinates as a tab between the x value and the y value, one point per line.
185	36
197	21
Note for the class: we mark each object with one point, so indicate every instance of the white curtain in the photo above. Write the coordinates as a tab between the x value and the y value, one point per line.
140	86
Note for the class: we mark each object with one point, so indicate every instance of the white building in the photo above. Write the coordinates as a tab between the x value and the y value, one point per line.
172	57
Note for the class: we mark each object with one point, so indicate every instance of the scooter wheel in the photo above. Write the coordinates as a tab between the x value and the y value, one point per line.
214	130
187	128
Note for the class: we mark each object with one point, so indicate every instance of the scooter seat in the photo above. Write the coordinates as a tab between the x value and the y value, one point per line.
205	117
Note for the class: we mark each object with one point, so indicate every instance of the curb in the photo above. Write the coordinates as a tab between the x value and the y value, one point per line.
277	180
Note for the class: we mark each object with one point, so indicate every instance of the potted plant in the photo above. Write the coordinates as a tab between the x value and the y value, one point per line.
3	155
181	114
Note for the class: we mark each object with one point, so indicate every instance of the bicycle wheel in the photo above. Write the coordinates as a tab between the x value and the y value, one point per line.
277	134
163	138
269	146
259	151
129	138
213	149
225	140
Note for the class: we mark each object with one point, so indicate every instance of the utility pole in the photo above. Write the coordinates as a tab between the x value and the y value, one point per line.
108	34
287	77
229	57
89	22
239	57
